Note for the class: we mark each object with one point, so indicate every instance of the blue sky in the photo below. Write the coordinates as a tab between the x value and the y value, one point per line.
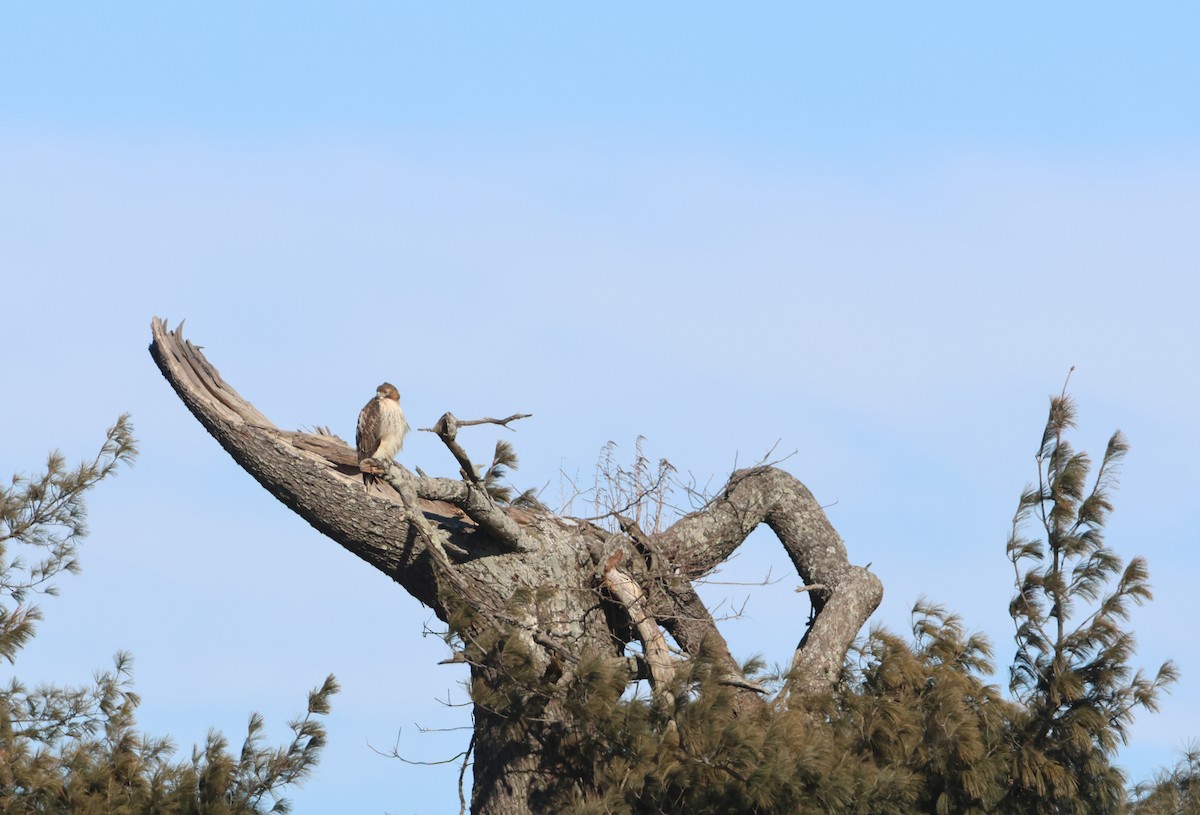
879	235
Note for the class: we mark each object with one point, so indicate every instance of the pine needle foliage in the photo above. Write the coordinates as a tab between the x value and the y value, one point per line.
1173	792
923	715
503	460
913	727
45	517
77	749
1071	675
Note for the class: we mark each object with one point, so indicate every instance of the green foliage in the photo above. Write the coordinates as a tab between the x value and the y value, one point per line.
42	519
1173	792
77	750
914	726
921	712
503	460
1071	675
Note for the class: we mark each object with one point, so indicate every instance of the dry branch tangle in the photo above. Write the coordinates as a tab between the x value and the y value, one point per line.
438	535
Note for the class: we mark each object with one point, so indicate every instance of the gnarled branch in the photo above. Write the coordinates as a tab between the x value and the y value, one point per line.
425	531
533	576
683	614
702	540
654	646
317	476
473	498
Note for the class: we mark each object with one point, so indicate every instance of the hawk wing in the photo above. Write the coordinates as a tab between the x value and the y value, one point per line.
369	434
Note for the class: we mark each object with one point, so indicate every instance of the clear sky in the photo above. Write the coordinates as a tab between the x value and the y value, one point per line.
879	234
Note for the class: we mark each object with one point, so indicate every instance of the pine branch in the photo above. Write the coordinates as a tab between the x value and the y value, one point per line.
476	500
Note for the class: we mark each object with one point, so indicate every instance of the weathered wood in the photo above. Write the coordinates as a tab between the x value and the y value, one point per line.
700	541
654	645
448	543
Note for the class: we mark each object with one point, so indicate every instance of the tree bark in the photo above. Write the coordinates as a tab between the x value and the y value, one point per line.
515	581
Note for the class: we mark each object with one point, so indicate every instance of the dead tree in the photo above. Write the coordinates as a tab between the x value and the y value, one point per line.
579	588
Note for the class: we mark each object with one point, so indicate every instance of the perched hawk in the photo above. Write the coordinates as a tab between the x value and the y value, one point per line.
381	429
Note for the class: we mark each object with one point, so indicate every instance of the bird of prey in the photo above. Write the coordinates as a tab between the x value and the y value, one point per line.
381	430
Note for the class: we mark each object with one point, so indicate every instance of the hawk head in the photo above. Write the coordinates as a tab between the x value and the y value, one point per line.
388	391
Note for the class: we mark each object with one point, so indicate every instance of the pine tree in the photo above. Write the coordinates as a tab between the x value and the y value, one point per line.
77	749
601	684
1171	792
1071	676
915	726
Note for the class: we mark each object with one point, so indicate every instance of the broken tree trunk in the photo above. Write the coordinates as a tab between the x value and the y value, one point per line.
530	595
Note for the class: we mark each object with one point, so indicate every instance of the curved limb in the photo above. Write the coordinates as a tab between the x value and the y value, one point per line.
702	540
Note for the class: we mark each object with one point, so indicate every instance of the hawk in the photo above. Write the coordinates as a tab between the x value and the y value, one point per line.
381	430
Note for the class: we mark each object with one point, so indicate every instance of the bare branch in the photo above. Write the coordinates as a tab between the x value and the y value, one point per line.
684	615
486	420
471	498
474	499
447	430
315	475
744	684
702	540
658	657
